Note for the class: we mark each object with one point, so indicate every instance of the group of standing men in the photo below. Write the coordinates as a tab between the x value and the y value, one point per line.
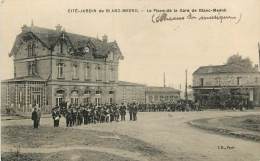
88	113
36	116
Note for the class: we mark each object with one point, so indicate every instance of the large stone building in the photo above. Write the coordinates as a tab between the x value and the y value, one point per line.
215	85
53	66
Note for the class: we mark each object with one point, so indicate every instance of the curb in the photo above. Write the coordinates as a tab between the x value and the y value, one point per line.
226	131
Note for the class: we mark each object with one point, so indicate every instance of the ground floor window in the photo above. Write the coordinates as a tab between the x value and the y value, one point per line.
97	101
86	100
59	101
74	101
110	100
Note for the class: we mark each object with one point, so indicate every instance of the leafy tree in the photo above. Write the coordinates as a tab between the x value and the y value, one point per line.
238	60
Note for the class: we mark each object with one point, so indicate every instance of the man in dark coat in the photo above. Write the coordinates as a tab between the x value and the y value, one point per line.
130	109
56	117
35	118
135	109
122	112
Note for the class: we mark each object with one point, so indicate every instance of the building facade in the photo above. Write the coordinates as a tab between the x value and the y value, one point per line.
214	86
130	92
157	95
52	66
55	66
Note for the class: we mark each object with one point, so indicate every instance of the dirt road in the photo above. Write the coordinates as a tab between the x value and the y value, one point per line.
170	132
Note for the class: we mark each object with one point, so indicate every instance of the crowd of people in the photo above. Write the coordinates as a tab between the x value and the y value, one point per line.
180	105
91	114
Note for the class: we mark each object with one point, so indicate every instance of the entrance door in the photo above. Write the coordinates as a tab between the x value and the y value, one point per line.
36	99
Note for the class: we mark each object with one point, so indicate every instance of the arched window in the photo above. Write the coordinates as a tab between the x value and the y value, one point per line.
74	99
59	97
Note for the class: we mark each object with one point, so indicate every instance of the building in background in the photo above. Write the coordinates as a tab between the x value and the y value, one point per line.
165	94
214	86
128	92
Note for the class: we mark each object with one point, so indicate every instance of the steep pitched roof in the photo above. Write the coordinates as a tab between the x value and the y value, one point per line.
49	39
217	69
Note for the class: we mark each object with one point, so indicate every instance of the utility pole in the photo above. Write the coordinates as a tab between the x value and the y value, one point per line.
186	86
258	56
164	85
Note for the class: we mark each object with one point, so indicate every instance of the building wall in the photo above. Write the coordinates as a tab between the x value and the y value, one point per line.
21	69
161	97
39	50
4	93
130	93
82	66
229	79
81	88
47	61
249	81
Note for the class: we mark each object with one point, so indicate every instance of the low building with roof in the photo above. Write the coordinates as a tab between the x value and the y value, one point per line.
216	85
129	92
157	95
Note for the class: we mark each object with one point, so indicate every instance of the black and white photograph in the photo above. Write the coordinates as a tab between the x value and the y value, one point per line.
139	80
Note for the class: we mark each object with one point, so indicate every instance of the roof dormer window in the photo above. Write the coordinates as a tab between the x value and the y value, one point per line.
86	49
31	49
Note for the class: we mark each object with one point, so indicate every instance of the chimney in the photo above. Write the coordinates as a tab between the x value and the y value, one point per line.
58	28
104	38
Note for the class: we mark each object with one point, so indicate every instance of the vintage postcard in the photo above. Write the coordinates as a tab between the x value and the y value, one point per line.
121	80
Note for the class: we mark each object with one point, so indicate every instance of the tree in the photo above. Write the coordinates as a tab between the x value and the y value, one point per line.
238	60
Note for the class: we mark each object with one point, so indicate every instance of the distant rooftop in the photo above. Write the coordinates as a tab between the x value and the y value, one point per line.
161	89
124	83
217	69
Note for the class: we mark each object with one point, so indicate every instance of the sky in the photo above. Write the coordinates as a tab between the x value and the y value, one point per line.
149	49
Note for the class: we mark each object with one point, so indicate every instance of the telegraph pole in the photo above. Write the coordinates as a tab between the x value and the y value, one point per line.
164	85
258	56
186	86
